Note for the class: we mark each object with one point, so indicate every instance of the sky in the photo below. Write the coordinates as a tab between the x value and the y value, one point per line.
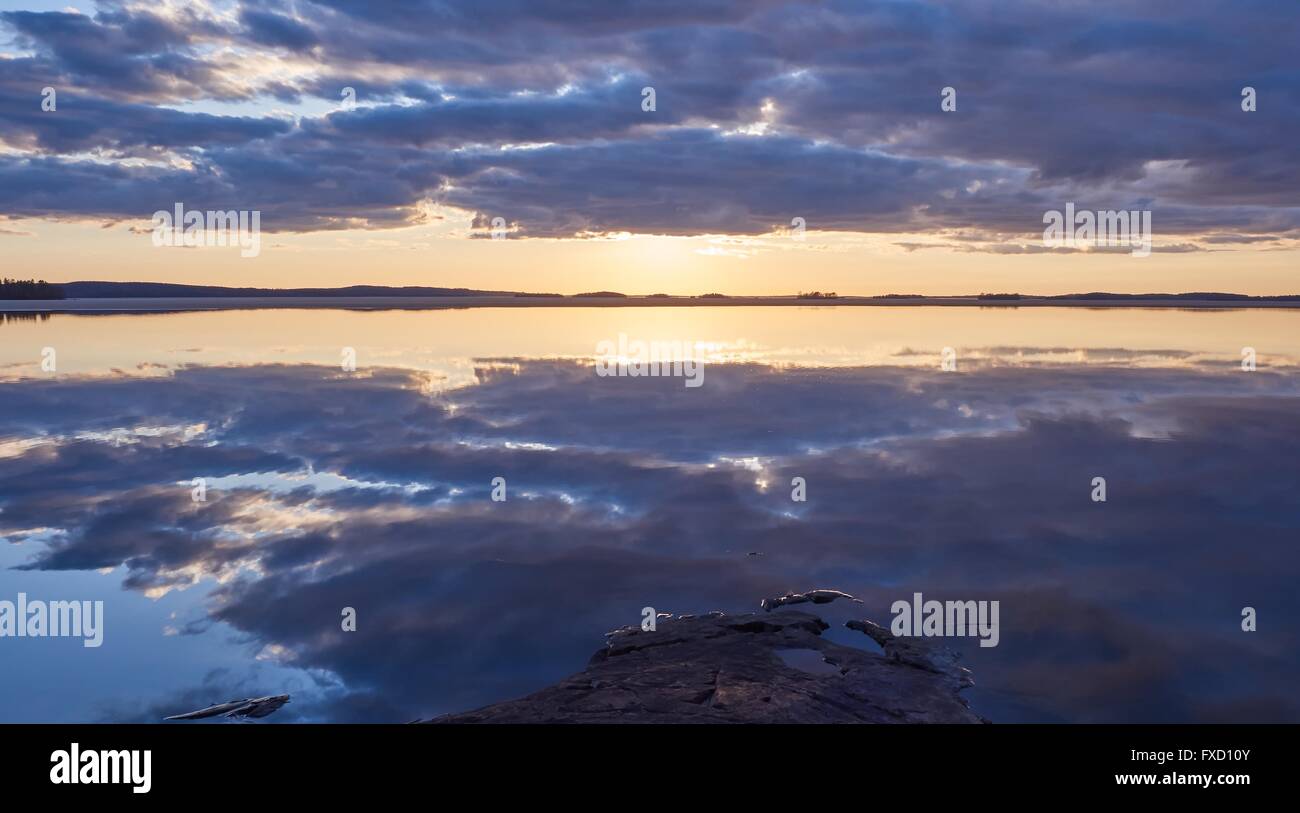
766	114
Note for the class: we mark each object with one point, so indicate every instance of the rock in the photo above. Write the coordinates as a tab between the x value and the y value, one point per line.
815	596
720	668
923	653
247	707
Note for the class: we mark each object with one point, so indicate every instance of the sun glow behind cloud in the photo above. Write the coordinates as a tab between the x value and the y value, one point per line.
456	123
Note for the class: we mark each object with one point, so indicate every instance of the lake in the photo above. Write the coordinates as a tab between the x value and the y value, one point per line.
230	483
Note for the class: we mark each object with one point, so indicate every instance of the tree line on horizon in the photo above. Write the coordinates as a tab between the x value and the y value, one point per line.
29	289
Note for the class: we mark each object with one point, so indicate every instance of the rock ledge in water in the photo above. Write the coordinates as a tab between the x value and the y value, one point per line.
720	668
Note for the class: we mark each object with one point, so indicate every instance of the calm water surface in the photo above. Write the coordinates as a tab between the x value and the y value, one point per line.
370	489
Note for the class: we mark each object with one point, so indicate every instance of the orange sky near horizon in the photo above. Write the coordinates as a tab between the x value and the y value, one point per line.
443	254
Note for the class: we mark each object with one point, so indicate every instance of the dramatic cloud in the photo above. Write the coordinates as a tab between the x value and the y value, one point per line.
764	111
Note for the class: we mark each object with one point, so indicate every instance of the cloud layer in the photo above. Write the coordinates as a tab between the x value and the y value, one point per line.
764	112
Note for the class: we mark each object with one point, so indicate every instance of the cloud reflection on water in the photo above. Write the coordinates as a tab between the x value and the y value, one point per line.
329	491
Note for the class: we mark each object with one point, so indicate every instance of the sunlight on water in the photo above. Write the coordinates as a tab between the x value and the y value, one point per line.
447	342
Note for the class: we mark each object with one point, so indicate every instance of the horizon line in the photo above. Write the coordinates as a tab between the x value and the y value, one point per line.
203	290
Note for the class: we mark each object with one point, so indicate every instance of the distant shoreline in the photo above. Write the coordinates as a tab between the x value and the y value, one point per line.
174	304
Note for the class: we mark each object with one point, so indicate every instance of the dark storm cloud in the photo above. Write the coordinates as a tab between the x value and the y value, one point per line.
1114	104
1126	610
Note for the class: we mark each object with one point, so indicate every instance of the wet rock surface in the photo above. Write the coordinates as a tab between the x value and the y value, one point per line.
918	652
815	596
721	668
